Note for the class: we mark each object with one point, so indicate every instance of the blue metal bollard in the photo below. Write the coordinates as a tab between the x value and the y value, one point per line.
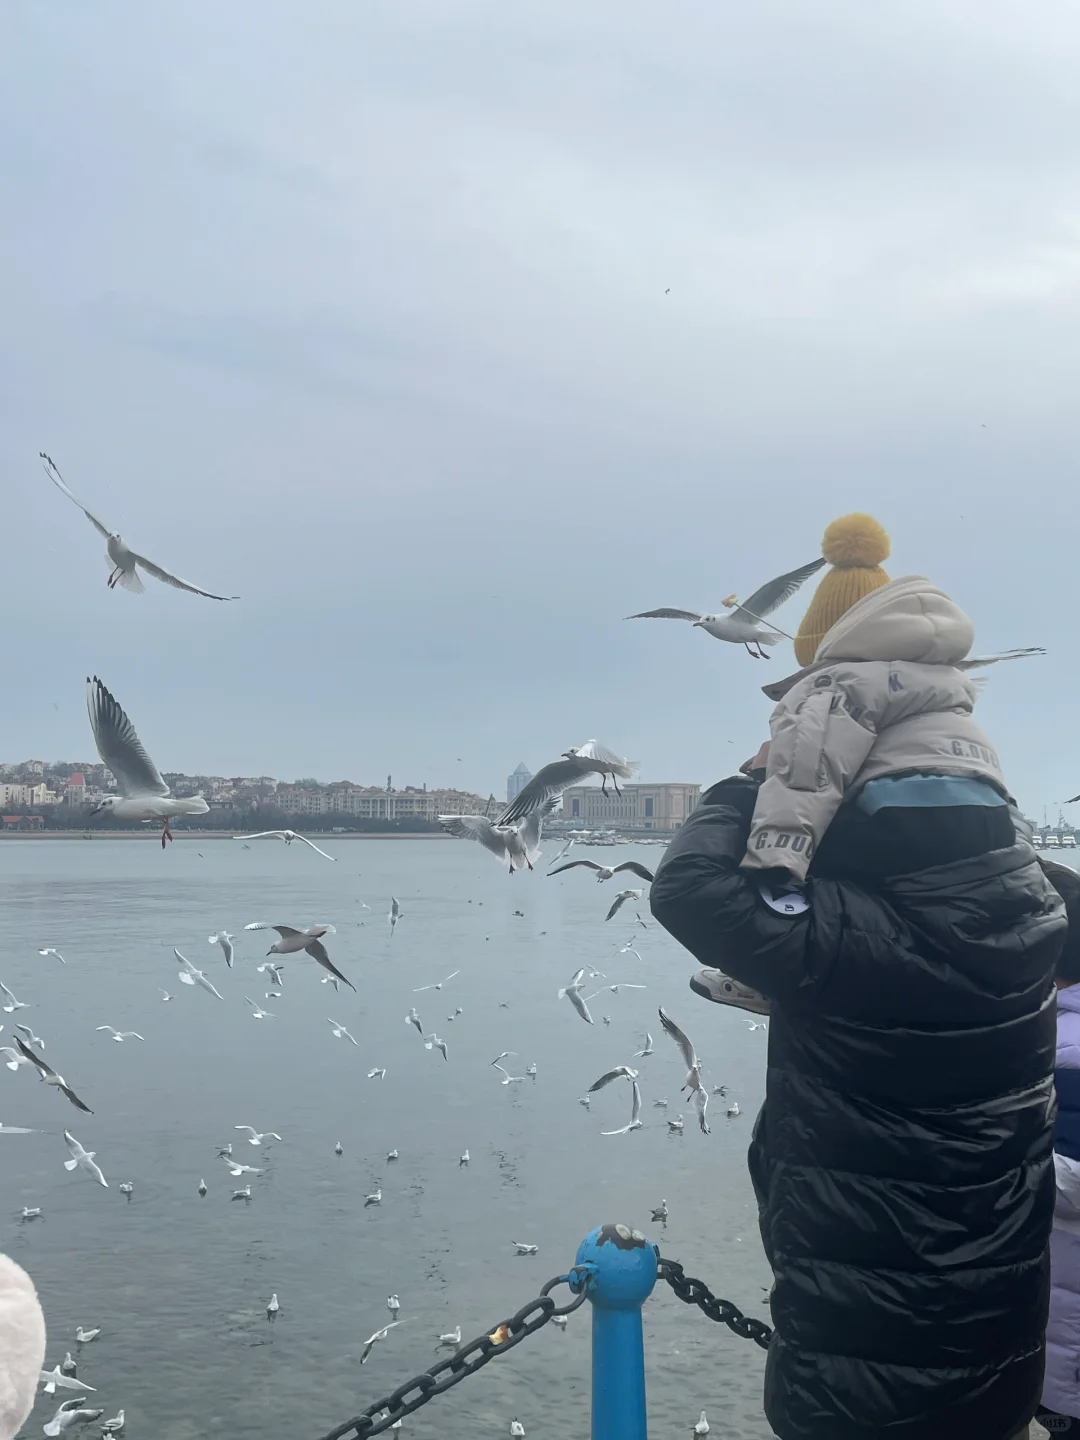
620	1266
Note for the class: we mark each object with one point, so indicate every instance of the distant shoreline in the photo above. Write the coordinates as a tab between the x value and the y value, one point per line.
187	834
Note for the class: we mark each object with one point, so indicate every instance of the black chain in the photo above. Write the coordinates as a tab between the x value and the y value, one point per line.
696	1292
466	1361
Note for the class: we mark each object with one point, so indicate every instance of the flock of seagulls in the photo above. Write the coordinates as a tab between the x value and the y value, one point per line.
513	836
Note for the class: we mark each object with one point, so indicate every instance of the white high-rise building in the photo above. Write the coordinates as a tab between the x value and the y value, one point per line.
516	782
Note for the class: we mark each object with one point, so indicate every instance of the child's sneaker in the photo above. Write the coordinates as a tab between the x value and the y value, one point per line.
715	985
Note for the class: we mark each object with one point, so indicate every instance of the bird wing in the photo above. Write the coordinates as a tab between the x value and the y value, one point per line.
475	827
593	750
168	578
317	950
773	594
184	961
636	868
548	783
635	1110
978	660
573	864
579	1005
262	835
681	1040
58	480
6	991
617	1074
79	1104
665	613
32	1056
702	1105
118	744
534	823
315	847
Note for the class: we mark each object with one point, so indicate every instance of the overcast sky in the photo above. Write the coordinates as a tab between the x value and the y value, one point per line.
359	309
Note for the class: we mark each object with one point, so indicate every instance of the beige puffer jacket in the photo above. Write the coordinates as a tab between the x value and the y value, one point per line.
883	697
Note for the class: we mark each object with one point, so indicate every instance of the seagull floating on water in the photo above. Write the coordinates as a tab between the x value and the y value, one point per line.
676	1125
375	1198
523	1249
550	781
144	795
113	1426
463	1158
288	836
125	562
451	1340
202	1188
517	1430
339	1149
84	1337
660	1212
127	1188
273	1309
745	625
30	1212
224	939
310	941
244	1194
702	1426
393	1304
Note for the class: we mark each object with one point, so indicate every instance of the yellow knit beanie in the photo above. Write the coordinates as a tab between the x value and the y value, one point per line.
855	546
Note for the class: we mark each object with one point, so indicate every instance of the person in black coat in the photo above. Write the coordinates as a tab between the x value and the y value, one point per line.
902	1160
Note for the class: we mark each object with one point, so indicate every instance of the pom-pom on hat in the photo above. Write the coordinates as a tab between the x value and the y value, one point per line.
855	545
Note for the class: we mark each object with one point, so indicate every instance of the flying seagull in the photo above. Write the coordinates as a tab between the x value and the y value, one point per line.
605	872
572	992
189	975
517	843
620	900
143	793
395	914
692	1084
124	560
288	836
550	781
421	988
51	950
56	1378
11	1003
256	1137
620	1072
121	1035
310	941
49	1075
257	1011
338	1030
71	1413
224	939
83	1160
372	1340
744	626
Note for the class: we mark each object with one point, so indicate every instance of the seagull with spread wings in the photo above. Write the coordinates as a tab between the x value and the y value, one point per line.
605	872
550	781
620	900
745	625
517	843
310	941
49	1075
572	992
288	836
125	562
143	793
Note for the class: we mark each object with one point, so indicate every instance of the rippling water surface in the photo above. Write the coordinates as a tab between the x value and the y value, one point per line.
179	1284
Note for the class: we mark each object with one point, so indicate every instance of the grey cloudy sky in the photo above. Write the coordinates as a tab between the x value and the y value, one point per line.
357	308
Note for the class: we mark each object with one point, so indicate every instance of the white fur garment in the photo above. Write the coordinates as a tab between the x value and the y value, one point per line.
22	1346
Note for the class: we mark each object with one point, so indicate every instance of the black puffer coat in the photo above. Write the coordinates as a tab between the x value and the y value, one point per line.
903	1158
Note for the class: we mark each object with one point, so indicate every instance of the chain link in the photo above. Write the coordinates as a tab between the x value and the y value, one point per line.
696	1292
464	1362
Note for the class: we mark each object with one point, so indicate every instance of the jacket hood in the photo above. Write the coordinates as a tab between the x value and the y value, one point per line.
908	619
